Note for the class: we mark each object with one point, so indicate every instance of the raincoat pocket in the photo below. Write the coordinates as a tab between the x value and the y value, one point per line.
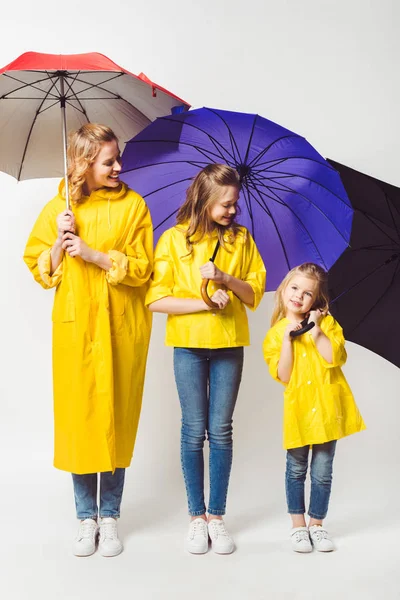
333	394
63	310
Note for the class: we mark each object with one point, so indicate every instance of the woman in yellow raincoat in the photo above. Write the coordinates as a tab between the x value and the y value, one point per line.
319	407
99	259
208	342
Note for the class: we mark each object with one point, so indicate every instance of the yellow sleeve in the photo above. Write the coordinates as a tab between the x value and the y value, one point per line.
272	346
254	270
38	247
331	328
133	266
162	279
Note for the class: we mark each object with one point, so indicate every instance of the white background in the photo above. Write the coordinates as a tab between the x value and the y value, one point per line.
329	71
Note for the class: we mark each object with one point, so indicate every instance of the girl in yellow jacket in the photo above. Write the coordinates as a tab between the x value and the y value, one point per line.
208	341
319	407
99	258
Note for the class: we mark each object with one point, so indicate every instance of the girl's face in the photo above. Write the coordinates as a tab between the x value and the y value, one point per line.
105	170
300	295
223	210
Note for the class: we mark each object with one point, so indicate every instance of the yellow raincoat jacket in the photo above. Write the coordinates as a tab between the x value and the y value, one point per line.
101	328
177	274
318	403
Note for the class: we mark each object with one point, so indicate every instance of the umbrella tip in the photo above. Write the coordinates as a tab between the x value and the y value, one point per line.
243	171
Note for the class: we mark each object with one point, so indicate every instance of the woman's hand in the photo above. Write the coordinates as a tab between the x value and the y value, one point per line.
76	247
289	328
210	271
221	298
65	223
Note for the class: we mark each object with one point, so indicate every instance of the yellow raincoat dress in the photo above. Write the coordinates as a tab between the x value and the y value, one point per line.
101	328
318	404
176	273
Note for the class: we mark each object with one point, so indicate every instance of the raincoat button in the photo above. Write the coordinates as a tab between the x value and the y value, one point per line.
305	354
314	409
308	382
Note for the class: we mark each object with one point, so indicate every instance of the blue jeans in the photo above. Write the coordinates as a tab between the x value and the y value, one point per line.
85	491
208	383
321	478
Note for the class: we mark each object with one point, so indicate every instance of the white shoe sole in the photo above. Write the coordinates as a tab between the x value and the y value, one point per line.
110	553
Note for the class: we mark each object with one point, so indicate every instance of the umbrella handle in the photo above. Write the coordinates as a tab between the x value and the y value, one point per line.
306	326
205	296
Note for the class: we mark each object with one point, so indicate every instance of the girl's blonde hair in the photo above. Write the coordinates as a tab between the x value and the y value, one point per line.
200	196
83	147
312	271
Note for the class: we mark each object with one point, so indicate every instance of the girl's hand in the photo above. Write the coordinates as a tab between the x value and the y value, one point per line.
65	222
210	271
289	328
221	298
316	316
77	247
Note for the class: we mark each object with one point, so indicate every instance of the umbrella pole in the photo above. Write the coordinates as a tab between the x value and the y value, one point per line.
64	141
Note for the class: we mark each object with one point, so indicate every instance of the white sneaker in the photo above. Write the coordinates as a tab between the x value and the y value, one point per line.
85	541
300	539
221	541
109	543
320	539
197	537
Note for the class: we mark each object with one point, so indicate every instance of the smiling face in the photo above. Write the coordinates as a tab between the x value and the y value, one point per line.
105	170
223	209
299	296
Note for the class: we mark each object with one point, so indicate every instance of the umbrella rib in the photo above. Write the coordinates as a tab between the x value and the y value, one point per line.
25	85
391	213
276	198
76	97
96	85
164	187
250	139
218	146
30	133
166	219
293	191
375	222
253	163
201	151
249	208
380	297
167	162
231	136
322	163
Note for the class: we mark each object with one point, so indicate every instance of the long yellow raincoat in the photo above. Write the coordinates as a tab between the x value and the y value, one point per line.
101	328
318	403
178	274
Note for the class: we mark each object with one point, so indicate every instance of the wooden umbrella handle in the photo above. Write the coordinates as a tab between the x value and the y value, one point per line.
205	296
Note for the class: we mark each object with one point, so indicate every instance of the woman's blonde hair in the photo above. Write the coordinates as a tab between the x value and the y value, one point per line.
200	196
83	147
312	271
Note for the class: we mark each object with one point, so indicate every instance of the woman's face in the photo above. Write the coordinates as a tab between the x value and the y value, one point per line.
105	170
223	210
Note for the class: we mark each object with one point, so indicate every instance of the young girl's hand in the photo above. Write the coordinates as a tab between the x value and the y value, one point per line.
316	316
289	328
210	271
221	298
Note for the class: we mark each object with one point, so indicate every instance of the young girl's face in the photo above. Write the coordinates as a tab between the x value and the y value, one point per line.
300	295
105	170
223	210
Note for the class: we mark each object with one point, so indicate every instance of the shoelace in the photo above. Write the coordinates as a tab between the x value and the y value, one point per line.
320	534
86	530
301	535
219	528
109	531
197	528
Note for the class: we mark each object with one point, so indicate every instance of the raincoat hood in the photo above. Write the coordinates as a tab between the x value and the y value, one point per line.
103	193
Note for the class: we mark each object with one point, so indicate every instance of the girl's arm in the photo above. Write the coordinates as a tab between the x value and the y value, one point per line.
241	289
322	342
185	306
286	359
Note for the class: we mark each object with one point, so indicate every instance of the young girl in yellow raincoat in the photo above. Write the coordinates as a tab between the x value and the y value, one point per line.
98	257
208	342
319	407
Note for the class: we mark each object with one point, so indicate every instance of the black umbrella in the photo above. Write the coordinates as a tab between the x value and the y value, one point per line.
364	283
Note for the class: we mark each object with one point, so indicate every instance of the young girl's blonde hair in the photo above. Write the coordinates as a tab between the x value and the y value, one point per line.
83	147
312	271
200	196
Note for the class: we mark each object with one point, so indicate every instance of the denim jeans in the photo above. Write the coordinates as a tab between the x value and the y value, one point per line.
208	383
85	491
321	478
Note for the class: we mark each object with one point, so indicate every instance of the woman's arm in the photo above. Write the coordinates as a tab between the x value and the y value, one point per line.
184	306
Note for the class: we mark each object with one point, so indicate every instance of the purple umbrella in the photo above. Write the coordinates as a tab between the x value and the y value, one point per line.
292	201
